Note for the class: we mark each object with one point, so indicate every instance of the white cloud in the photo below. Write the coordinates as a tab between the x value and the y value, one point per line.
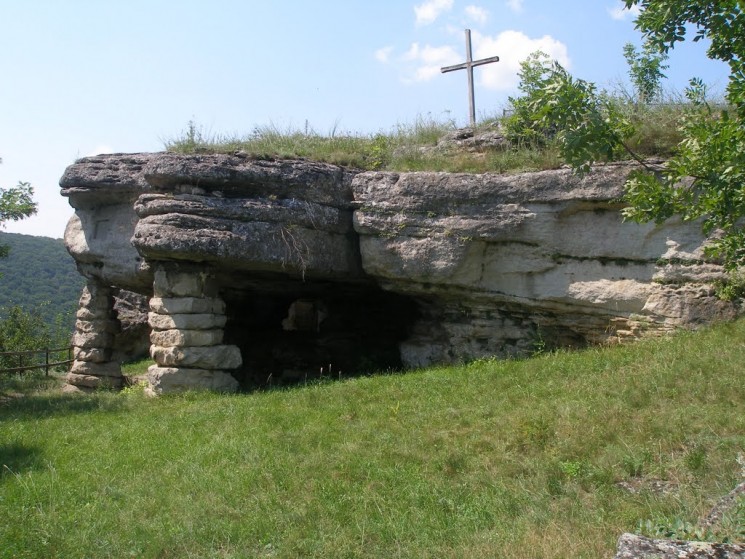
412	53
619	12
425	61
477	14
515	5
512	47
429	60
384	54
429	11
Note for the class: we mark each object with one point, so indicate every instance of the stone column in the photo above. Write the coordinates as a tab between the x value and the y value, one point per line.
187	318
95	328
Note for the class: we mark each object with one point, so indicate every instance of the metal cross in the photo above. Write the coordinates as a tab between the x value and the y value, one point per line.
469	65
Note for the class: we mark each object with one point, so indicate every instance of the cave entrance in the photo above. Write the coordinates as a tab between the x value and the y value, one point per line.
293	333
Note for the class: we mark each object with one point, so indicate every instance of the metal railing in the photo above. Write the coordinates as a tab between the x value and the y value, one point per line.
51	360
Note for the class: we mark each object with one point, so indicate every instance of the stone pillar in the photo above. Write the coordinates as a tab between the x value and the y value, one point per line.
95	328
187	318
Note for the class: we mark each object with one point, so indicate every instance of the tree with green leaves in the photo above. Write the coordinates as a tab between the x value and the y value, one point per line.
646	71
20	330
16	203
585	125
705	178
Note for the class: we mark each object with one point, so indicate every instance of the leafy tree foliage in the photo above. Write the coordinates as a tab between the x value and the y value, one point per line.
21	330
705	178
15	203
645	71
666	22
522	127
27	332
586	125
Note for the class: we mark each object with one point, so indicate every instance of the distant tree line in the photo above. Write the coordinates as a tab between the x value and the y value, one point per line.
39	291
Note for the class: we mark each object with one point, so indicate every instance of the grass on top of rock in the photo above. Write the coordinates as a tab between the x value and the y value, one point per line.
549	457
414	147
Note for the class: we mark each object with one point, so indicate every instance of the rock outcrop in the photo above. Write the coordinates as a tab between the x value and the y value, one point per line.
469	140
633	546
540	257
262	271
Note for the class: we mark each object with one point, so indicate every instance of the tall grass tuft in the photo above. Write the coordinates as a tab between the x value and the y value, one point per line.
657	128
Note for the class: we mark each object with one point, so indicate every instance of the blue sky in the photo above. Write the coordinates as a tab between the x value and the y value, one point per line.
81	77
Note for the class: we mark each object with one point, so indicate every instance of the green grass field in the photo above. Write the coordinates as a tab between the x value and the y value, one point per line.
513	459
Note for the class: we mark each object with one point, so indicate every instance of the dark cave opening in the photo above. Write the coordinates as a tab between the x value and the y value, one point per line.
292	333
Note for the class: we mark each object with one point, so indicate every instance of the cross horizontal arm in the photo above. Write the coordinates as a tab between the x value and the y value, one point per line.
485	61
465	65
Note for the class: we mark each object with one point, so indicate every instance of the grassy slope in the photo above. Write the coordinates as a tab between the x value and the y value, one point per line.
495	459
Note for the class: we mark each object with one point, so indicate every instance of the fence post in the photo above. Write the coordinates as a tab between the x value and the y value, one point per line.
46	362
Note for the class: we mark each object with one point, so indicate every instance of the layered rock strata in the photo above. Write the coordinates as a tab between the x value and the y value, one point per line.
259	271
93	341
514	262
187	318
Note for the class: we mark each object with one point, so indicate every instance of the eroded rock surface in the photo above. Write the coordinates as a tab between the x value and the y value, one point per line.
509	260
631	546
305	268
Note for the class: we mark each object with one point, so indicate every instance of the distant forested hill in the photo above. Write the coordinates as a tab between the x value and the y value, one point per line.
39	274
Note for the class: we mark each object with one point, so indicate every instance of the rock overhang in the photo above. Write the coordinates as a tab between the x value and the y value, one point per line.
481	264
230	210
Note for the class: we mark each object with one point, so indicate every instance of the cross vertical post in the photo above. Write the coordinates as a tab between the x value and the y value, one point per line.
469	71
468	66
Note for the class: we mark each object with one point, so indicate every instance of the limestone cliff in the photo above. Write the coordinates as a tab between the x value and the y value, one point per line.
263	271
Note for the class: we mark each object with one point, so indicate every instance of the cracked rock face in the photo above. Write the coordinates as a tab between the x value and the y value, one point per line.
544	255
266	216
483	264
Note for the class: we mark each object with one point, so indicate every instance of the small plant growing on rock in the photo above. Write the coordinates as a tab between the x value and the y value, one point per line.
733	287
